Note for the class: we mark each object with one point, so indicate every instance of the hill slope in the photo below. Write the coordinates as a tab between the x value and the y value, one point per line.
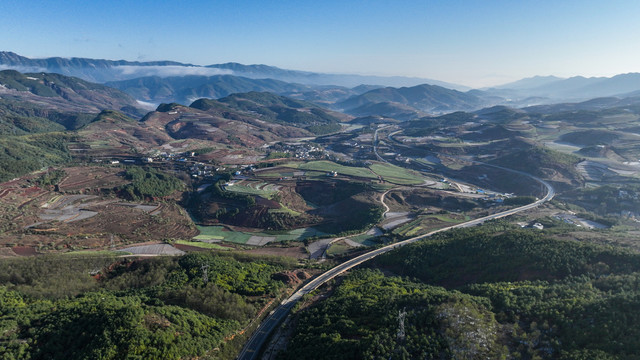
428	98
243	120
186	89
574	88
100	70
63	93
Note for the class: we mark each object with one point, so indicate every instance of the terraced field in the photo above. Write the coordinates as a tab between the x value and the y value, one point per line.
259	188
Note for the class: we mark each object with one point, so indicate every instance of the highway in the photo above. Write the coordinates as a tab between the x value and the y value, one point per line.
252	348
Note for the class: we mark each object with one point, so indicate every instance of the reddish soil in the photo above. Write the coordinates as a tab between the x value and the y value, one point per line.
7	252
87	178
31	191
270	204
189	248
24	251
292	277
20	206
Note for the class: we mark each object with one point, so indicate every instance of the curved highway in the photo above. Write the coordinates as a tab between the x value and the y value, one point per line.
252	347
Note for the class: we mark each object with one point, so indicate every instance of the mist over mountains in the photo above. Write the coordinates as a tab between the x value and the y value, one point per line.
99	70
403	98
574	88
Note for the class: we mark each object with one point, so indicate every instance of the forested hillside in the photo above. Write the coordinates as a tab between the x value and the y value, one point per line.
106	308
506	294
22	154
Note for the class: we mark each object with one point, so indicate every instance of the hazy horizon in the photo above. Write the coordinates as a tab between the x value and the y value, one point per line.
471	43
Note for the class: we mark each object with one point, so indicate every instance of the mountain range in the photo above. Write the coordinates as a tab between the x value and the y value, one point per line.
186	89
575	88
99	70
401	98
422	98
61	93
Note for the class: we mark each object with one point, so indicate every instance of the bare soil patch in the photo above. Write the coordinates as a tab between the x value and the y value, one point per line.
24	251
87	178
80	216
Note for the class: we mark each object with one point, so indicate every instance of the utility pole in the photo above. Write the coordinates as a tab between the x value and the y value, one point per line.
401	315
205	276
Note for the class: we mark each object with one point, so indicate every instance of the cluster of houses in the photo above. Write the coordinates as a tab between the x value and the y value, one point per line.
161	157
635	216
626	195
305	151
201	170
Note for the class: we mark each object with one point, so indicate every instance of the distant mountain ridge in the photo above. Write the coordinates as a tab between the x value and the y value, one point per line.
528	83
99	70
423	98
171	81
577	88
186	89
64	93
11	58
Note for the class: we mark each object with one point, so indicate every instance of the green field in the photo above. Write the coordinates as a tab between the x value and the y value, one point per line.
381	187
427	223
249	190
218	233
397	175
327	166
364	239
275	174
238	237
338	248
285	209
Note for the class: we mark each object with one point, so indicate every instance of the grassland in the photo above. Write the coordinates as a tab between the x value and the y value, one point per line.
250	190
427	223
220	233
397	175
364	239
390	173
328	166
239	237
338	248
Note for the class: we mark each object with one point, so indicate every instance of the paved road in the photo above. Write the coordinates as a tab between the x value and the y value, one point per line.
251	350
375	144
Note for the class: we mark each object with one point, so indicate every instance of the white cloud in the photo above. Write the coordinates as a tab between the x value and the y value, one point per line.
147	105
169	70
23	69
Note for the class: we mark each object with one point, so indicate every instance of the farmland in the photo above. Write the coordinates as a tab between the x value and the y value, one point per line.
84	213
327	166
221	233
397	175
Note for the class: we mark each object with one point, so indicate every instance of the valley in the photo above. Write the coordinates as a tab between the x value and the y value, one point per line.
228	208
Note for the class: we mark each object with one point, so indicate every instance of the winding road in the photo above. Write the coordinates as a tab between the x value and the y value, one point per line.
252	348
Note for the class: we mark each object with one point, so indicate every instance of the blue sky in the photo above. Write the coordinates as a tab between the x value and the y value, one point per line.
474	43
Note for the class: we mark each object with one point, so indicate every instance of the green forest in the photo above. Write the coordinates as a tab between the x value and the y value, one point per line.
93	307
490	292
607	199
149	183
23	154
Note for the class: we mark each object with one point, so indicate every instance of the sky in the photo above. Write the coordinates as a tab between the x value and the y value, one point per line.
473	43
